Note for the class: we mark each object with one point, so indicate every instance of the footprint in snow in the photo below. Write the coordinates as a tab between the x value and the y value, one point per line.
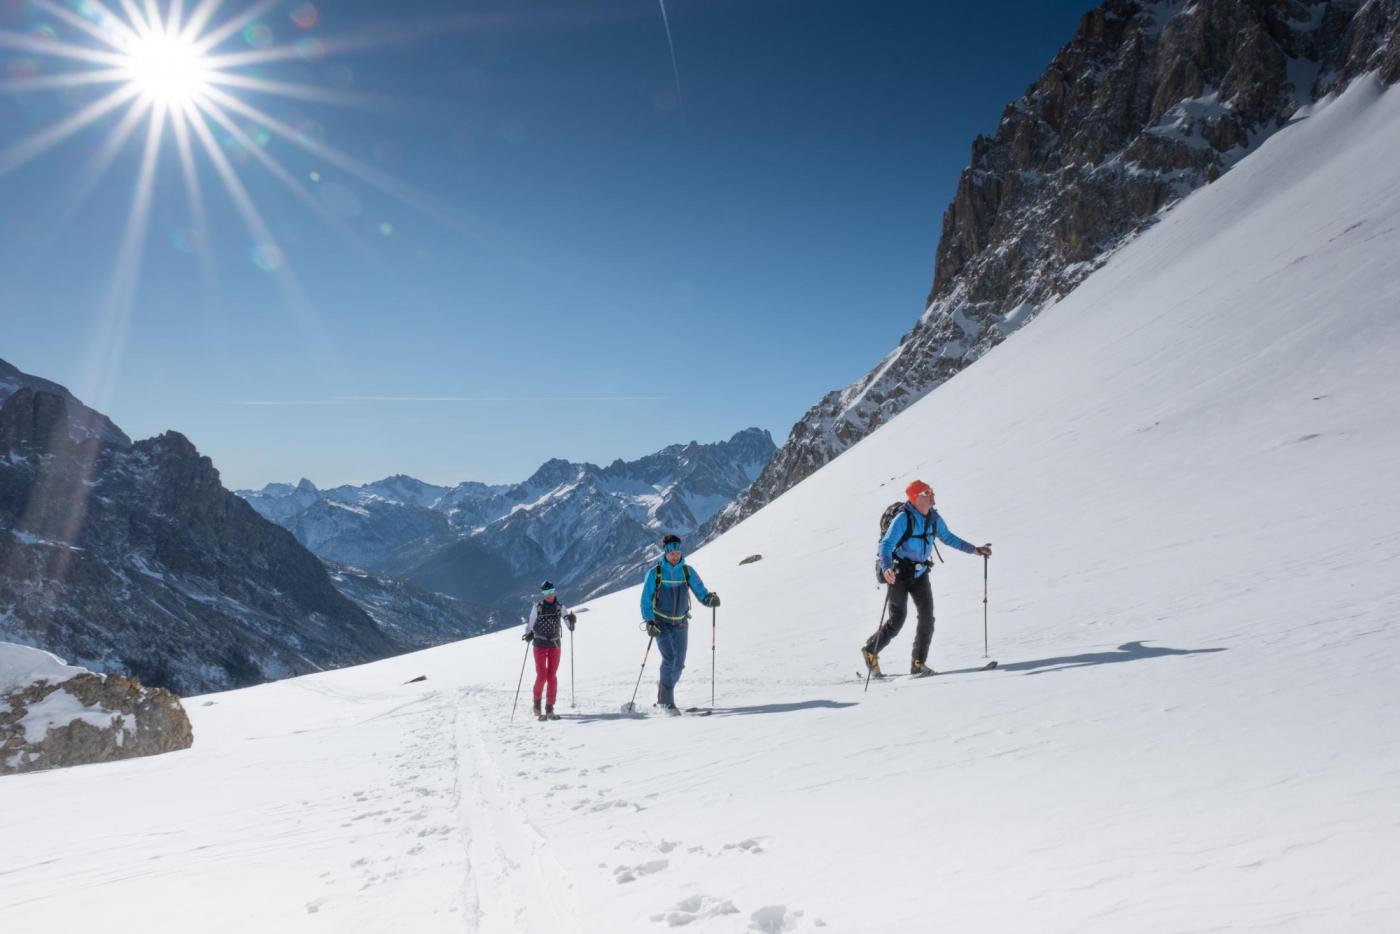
775	919
750	845
696	908
631	873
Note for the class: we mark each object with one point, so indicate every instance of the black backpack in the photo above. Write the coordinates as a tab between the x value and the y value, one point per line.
888	516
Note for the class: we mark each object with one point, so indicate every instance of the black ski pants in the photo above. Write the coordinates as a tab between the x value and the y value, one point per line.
898	606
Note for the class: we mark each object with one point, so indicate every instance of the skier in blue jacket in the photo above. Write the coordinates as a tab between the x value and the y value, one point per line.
666	613
905	551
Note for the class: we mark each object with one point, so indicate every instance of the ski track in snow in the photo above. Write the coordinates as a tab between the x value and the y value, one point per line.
517	885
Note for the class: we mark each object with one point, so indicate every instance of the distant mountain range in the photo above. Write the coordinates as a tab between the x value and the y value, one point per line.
589	529
132	558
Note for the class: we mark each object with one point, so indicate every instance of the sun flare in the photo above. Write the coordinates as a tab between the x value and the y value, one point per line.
167	68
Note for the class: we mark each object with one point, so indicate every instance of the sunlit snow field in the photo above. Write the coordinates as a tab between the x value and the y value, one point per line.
1187	471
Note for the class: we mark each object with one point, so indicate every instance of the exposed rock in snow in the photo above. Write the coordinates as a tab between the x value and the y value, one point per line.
53	714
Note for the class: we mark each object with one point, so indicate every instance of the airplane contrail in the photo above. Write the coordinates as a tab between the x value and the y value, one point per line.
674	68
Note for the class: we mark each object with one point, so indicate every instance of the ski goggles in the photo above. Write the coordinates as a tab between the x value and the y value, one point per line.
547	592
673	546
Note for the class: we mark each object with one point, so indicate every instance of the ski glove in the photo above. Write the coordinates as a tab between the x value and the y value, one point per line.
711	599
527	637
570	620
653	629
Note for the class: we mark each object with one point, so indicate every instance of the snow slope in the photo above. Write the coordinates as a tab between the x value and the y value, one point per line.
1187	471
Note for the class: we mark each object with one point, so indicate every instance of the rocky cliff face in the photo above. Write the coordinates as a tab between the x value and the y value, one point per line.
133	559
1148	102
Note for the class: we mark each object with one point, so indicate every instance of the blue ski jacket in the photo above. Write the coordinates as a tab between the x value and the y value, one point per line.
670	603
916	548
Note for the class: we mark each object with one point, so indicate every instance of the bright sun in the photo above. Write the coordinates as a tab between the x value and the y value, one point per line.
179	70
167	68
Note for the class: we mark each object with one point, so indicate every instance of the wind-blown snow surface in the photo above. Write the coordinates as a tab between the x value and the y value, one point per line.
1187	469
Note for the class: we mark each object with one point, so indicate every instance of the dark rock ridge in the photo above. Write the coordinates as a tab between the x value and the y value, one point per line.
413	617
586	527
132	558
1148	102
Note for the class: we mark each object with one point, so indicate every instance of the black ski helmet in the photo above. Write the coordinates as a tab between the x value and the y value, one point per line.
546	587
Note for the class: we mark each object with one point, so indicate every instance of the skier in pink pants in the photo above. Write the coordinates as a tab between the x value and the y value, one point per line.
545	629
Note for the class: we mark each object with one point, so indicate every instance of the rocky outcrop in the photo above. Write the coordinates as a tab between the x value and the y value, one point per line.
84	718
1148	102
134	559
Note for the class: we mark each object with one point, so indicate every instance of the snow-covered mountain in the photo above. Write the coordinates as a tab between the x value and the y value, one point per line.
1148	102
586	527
132	558
1187	470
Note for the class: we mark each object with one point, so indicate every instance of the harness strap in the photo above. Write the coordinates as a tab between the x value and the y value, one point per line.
656	592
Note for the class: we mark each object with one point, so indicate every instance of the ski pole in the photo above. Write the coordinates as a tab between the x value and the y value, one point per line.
881	625
520	682
712	657
632	704
984	602
573	701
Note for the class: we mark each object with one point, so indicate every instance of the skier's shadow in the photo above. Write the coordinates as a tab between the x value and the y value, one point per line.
1127	652
780	708
717	711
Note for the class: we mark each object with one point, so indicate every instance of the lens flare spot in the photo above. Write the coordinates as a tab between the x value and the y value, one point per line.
386	229
22	68
311	50
315	176
258	35
305	15
267	257
44	31
665	100
309	131
188	240
236	147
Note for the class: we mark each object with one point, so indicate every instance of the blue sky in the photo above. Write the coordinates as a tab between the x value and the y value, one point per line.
572	259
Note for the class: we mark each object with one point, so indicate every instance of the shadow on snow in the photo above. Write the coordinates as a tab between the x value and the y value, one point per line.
1127	652
717	711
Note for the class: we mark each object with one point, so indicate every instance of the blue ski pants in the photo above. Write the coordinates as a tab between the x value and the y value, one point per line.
671	644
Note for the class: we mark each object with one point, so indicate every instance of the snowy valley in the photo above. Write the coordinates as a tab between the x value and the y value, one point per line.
1185	469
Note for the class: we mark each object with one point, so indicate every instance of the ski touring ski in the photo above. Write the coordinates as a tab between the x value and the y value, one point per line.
899	676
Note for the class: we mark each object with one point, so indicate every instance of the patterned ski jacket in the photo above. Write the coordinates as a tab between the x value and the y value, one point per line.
670	603
919	546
